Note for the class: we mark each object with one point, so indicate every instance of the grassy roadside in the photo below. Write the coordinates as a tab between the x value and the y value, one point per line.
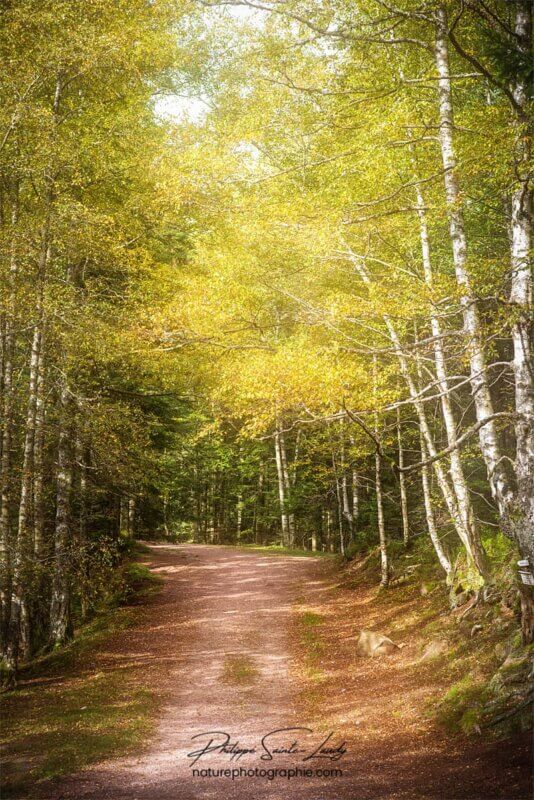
79	705
310	649
276	550
267	549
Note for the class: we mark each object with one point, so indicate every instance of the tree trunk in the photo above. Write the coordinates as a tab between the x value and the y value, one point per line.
131	517
520	523
461	489
498	471
339	499
443	482
329	526
347	511
60	602
448	492
29	441
355	499
18	640
82	459
239	515
355	496
281	487
259	502
165	509
443	557
38	456
429	513
7	432
284	487
288	487
515	502
294	467
384	560
402	485
384	564
20	634
123	516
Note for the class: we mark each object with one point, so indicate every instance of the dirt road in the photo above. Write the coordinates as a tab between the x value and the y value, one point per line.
222	636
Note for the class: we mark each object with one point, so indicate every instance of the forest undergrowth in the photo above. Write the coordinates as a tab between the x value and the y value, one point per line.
73	706
474	672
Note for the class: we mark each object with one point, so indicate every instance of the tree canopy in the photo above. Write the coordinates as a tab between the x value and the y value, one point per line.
265	277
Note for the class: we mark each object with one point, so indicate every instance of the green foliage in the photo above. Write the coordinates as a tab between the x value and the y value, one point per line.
362	541
461	707
279	550
138	583
466	575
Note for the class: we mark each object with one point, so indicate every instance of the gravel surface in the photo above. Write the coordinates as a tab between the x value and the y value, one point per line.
219	643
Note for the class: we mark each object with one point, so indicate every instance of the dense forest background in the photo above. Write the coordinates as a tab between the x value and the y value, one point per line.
265	278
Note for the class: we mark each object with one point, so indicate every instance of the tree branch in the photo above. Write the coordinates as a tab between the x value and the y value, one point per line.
461	439
487	74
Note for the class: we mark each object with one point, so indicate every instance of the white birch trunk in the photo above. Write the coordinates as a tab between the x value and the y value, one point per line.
384	561
281	487
296	459
7	432
355	495
461	489
339	499
340	516
131	517
355	499
259	502
402	485
81	544
329	526
520	523
446	489
29	441
19	633
429	513
288	485
498	472
239	514
347	511
60	602
38	456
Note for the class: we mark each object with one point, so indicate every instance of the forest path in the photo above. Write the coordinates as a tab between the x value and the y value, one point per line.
219	633
222	644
